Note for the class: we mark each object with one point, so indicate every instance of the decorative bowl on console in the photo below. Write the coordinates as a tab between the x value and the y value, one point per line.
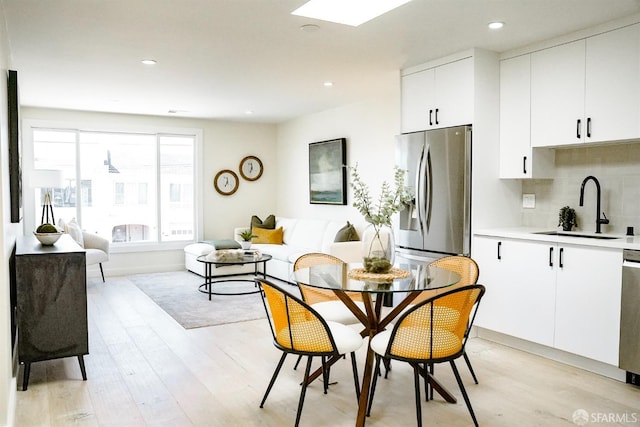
47	239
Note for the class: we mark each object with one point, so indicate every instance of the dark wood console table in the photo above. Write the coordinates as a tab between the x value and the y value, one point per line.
51	290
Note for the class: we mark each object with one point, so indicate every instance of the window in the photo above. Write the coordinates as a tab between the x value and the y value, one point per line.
134	187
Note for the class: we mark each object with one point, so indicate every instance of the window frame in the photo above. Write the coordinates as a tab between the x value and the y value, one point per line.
28	125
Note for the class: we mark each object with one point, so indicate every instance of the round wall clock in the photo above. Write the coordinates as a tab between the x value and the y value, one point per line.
251	168
226	182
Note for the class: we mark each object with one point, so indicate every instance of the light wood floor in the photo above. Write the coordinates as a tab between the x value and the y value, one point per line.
145	370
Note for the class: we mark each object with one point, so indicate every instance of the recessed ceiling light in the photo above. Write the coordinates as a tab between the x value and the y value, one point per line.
349	12
248	112
309	28
496	25
327	84
149	61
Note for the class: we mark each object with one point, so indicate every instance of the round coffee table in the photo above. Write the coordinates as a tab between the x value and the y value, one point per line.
207	286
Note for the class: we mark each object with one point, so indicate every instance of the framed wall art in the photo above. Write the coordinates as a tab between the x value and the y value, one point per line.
328	172
15	155
251	168
226	182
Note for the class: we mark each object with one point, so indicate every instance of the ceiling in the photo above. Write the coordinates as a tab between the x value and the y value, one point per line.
217	59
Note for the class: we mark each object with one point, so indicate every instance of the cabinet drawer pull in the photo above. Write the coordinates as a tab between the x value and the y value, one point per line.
499	246
437	109
588	127
430	118
561	256
524	165
551	257
578	129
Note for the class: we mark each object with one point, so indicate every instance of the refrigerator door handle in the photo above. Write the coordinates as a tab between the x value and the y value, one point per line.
428	188
419	198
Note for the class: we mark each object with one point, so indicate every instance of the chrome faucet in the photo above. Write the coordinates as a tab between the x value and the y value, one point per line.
599	221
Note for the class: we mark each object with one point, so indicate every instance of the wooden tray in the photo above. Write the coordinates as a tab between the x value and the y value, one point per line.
394	273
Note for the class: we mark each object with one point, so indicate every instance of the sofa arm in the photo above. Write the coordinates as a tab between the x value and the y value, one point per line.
347	251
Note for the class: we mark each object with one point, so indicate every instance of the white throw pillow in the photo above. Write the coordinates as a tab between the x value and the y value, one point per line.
74	230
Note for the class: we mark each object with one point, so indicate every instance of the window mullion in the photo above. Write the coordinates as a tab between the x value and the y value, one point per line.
78	178
158	190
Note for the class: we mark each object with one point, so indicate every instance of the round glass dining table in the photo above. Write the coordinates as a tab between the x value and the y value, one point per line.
400	287
349	277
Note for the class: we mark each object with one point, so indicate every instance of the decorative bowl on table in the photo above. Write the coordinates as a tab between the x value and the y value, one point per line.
47	239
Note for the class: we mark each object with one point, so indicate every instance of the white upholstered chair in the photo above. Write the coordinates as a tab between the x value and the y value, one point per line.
96	247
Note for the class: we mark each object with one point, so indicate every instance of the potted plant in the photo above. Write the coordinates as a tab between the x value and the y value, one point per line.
567	218
246	237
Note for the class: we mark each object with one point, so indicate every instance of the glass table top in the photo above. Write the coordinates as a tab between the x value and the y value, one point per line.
336	276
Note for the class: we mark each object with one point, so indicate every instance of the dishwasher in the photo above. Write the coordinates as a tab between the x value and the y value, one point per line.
629	358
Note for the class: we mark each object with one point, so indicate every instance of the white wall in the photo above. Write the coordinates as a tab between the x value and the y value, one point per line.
225	144
8	235
369	127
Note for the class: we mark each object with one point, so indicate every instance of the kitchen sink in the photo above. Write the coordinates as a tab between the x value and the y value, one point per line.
567	234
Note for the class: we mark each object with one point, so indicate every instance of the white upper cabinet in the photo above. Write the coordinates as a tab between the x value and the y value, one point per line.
516	156
612	100
587	90
454	93
418	91
557	95
438	97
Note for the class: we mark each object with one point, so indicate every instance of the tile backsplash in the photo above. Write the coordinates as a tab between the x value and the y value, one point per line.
617	168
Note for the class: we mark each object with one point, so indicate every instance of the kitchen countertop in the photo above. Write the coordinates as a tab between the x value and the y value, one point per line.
529	233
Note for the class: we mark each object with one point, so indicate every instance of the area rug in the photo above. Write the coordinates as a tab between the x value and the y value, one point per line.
177	294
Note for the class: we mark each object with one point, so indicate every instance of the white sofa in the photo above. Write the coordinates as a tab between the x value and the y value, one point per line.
300	236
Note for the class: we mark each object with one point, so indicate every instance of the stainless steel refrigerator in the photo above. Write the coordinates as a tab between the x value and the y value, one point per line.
438	221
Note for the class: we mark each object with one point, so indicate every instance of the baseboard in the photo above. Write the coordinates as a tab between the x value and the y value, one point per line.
109	271
12	401
587	364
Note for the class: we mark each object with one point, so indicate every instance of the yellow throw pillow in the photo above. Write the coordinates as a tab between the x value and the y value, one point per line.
264	235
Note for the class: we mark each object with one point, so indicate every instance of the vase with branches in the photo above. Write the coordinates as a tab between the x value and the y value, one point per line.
378	242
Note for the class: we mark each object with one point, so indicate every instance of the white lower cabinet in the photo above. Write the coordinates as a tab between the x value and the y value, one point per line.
520	296
559	295
588	297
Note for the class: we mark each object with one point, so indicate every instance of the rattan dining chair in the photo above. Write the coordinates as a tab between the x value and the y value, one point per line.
469	271
325	301
298	329
426	334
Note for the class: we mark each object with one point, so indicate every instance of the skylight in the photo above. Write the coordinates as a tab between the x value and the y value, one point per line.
348	12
